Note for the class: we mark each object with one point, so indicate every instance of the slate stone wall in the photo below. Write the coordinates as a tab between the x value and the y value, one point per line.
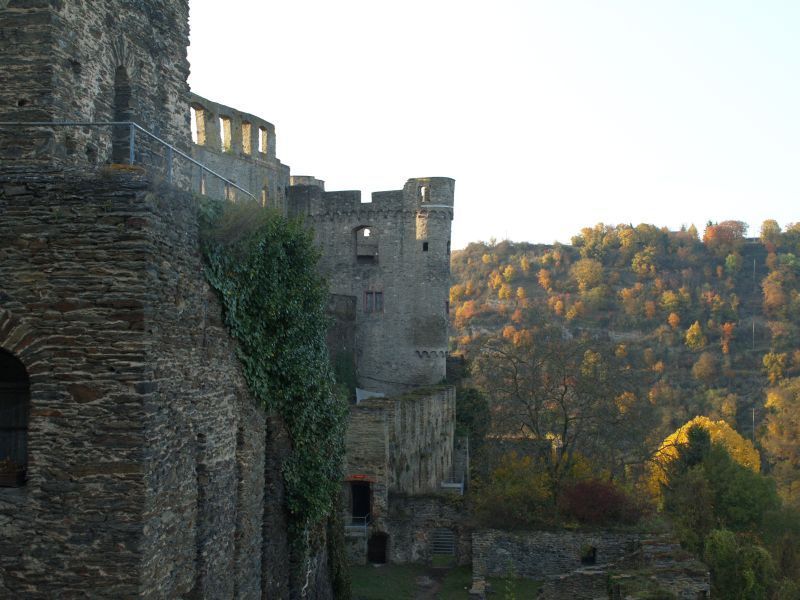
151	470
61	61
401	445
543	554
412	520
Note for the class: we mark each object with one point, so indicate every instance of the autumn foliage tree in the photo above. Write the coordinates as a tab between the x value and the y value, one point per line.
546	388
724	238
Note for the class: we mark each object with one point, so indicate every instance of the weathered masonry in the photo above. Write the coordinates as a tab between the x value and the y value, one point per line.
133	459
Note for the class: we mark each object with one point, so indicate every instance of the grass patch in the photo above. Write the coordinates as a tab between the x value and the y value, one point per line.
507	587
456	584
442	561
398	582
388	582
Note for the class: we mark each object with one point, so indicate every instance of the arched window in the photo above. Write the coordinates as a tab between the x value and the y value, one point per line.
123	111
366	245
14	408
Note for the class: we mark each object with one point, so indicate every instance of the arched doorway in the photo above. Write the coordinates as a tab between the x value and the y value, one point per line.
377	547
14	410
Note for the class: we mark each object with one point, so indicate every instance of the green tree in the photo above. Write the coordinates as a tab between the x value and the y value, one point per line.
770	234
739	571
557	391
588	273
472	416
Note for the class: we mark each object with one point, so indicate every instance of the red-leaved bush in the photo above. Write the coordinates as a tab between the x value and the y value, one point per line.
596	502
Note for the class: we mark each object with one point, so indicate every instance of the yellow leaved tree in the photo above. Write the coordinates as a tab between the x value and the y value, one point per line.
740	449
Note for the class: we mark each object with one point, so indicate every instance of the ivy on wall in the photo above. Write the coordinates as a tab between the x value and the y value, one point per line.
264	268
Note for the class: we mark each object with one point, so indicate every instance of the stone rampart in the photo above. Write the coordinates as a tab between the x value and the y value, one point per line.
93	61
398	445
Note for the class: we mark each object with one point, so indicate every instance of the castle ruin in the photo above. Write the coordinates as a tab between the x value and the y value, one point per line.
144	466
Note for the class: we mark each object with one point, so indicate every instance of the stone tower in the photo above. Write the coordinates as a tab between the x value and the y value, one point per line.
92	62
393	256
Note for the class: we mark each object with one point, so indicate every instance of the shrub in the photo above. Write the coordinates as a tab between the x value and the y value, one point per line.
596	502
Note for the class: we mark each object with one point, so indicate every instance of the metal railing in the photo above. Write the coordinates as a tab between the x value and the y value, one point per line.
171	151
356	524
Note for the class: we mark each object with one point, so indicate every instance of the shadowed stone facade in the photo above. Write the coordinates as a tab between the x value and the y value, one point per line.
147	464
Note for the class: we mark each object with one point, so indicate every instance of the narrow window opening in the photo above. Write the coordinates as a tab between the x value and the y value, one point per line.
373	301
446	307
366	242
424	246
448	247
202	184
423	193
262	140
225	134
247	142
198	124
123	112
14	411
264	196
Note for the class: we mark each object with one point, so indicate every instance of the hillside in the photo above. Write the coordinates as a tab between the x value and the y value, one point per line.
712	321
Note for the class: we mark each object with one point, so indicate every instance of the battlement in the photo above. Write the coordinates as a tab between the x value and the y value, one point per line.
428	194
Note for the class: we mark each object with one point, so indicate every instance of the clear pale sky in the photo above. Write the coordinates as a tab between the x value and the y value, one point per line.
551	115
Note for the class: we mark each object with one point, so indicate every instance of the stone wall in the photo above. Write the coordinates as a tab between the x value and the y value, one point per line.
402	444
397	245
543	554
624	565
92	61
239	146
412	520
151	470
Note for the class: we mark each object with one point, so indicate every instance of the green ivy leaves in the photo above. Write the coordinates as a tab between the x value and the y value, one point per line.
264	268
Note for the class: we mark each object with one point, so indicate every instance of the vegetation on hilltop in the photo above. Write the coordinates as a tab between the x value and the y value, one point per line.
598	359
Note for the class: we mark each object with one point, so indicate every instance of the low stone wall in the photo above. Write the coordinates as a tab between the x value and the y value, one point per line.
626	564
543	554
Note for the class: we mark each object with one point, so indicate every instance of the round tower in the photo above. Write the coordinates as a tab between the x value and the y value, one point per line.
428	277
